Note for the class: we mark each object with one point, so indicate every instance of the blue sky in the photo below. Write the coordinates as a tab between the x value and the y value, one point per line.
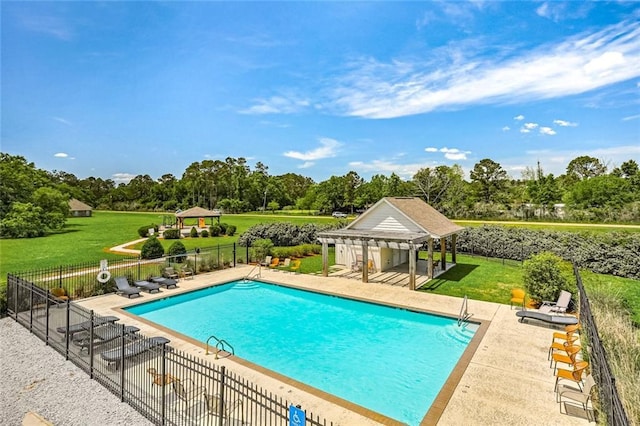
118	89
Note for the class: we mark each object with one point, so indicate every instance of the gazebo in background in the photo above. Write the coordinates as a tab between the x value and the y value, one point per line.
197	212
391	233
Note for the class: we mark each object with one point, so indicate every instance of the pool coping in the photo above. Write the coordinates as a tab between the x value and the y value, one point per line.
438	405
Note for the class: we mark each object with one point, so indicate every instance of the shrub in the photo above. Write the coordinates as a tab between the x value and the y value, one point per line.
215	230
143	231
193	233
223	228
284	234
171	234
178	251
204	234
231	230
152	249
261	248
543	277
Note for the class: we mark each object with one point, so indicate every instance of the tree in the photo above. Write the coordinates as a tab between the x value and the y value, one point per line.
22	221
54	205
599	192
178	251
543	277
489	179
585	167
542	189
437	184
18	180
152	249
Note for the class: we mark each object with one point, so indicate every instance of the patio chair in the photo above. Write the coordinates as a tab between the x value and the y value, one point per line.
295	266
186	271
559	305
135	348
215	407
124	288
146	285
568	357
573	375
158	379
286	263
274	263
357	265
267	261
186	393
559	339
86	325
60	294
104	334
169	272
517	297
581	396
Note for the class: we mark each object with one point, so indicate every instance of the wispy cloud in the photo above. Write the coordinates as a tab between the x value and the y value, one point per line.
631	117
506	128
276	105
387	167
49	25
62	120
547	131
563	123
122	177
558	11
579	64
328	148
519	117
306	165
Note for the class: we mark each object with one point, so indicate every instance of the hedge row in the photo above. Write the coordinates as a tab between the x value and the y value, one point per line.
284	234
614	253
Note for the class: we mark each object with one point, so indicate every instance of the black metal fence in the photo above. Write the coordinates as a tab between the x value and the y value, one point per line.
89	278
165	385
610	401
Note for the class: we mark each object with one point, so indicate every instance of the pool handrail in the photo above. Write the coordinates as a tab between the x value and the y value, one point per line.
221	345
258	275
464	315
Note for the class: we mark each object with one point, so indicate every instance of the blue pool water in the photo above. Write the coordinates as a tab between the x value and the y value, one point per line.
389	360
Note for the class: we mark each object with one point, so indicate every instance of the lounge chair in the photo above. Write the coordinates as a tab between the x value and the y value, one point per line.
169	272
560	305
124	288
166	282
114	356
547	317
104	334
86	325
60	294
286	263
274	263
295	266
215	407
146	285
186	272
186	392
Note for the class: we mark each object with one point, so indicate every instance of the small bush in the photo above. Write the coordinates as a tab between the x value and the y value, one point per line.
143	231
543	277
178	251
152	249
204	234
171	234
223	228
215	230
231	230
193	233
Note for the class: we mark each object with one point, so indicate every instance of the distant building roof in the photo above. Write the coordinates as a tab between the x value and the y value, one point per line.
198	212
75	205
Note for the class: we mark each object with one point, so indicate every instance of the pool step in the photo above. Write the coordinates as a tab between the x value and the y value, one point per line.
461	334
245	285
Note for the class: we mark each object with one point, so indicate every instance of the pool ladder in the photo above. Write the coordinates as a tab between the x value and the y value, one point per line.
221	345
258	275
464	316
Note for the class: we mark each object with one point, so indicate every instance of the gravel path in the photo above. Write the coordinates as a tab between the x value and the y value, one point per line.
34	377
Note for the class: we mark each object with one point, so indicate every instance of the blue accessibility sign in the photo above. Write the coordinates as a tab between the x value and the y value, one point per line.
296	416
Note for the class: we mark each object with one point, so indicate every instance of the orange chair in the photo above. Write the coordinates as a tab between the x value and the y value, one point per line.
295	266
60	294
274	263
517	296
568	357
568	329
573	375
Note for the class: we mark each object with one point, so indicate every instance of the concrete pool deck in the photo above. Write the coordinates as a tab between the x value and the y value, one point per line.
507	379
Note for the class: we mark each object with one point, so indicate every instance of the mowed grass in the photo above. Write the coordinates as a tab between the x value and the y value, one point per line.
88	239
555	226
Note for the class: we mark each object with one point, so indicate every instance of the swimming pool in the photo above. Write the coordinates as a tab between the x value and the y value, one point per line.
392	361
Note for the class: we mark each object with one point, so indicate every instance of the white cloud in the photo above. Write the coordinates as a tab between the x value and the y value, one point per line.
122	177
519	117
563	123
547	131
61	155
524	130
578	64
530	126
48	25
62	120
506	128
631	117
450	153
306	165
328	148
387	167
431	149
276	105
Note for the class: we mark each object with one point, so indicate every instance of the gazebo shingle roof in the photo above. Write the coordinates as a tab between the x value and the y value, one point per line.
198	212
425	216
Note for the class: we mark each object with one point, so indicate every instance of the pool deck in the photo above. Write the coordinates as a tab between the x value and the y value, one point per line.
507	380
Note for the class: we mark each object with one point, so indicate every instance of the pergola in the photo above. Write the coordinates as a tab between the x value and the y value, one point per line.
403	223
196	212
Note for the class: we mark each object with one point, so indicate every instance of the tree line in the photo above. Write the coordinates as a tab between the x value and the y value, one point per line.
588	191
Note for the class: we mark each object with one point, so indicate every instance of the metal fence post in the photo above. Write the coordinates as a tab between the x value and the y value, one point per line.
234	255
163	372
222	389
91	345
121	365
31	308
46	322
66	335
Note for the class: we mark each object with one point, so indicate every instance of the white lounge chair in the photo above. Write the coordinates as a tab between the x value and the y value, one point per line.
560	305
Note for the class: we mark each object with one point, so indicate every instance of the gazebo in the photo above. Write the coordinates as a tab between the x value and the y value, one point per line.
390	233
197	212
